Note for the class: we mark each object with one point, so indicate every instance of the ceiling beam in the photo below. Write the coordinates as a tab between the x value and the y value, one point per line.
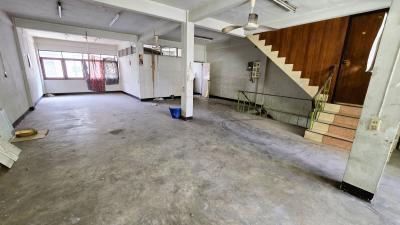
148	7
217	25
211	8
165	28
67	29
329	13
163	11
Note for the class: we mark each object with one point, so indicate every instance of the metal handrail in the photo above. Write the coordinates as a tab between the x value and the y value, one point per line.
317	102
245	104
322	96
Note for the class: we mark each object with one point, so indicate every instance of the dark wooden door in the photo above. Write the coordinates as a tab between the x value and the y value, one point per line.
353	80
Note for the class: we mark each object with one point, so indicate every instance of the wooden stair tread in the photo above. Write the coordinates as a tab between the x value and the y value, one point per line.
337	125
341	114
331	135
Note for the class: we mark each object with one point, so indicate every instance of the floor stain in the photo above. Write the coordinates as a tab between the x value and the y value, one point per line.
116	131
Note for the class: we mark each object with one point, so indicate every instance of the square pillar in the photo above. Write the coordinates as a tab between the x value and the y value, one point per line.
372	146
187	30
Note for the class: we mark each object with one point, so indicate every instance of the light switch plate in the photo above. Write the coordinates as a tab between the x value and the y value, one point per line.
374	124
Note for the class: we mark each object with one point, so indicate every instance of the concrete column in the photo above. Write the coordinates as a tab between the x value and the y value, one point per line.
187	30
372	146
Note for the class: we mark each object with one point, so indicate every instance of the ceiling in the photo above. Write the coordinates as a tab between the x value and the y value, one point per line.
80	13
85	13
269	13
175	35
188	4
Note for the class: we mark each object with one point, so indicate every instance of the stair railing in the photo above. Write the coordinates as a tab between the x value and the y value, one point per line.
262	104
322	96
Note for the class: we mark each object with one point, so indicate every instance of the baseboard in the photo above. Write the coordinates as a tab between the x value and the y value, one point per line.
83	93
22	117
152	99
186	118
131	95
223	98
356	191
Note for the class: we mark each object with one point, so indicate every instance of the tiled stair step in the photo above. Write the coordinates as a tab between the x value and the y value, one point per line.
329	139
337	131
349	111
338	120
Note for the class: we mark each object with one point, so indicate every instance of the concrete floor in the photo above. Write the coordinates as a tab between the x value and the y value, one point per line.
112	160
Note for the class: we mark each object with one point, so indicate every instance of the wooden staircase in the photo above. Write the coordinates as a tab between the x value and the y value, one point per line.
304	83
336	126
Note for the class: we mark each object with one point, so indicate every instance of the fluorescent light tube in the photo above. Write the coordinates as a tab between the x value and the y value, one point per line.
286	5
114	20
59	9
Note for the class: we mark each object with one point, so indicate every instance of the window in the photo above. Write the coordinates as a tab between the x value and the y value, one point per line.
74	68
53	68
169	51
50	54
69	55
69	65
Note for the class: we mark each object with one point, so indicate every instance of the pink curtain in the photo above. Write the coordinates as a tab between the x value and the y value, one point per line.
96	80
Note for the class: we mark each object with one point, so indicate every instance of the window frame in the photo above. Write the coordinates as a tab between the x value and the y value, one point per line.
64	67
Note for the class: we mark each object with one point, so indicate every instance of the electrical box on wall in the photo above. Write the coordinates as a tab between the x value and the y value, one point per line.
254	69
374	123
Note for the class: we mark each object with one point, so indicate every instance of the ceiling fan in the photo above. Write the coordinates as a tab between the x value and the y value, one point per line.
252	23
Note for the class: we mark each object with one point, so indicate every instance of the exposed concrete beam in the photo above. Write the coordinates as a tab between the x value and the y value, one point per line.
213	8
217	25
325	14
149	7
161	30
159	10
38	25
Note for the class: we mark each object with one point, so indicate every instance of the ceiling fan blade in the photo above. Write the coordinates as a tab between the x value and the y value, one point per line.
230	28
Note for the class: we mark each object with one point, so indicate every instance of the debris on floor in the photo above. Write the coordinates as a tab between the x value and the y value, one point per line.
158	99
8	153
25	133
39	135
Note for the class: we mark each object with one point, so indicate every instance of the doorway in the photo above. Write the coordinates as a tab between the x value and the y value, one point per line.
353	79
201	78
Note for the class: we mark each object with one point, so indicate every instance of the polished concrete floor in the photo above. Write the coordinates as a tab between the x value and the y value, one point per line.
112	160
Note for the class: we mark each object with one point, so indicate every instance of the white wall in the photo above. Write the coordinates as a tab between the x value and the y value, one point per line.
137	79
200	53
32	70
13	98
167	76
129	71
228	75
74	86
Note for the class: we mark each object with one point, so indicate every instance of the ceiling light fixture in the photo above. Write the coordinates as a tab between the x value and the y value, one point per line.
115	19
286	5
59	9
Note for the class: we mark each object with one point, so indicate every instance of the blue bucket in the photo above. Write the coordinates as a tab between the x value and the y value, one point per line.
175	112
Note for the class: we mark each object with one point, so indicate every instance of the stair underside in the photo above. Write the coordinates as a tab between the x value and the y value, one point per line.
286	68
